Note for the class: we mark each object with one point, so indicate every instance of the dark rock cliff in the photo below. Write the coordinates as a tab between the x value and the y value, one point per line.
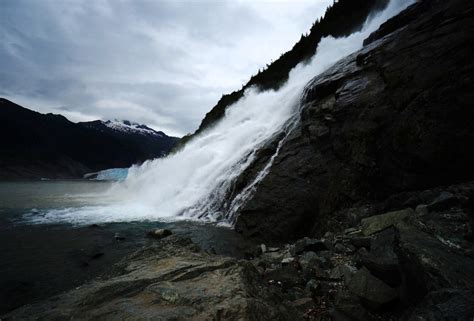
396	116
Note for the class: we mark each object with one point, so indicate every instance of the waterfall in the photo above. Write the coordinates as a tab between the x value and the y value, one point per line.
195	182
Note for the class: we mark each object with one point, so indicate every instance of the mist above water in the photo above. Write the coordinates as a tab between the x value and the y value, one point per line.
193	183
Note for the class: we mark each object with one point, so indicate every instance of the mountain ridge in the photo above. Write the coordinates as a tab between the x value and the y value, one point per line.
35	145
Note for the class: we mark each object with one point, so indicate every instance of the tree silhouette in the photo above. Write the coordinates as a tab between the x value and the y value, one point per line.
341	19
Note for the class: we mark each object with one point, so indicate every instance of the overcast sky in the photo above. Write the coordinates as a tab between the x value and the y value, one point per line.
162	63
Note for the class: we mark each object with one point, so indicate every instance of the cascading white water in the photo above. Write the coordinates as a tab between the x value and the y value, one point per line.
189	183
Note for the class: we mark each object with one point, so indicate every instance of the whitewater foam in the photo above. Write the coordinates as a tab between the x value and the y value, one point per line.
194	182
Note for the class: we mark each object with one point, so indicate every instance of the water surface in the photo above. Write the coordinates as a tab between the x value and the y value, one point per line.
41	257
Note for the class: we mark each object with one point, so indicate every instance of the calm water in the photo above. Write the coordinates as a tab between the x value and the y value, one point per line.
24	196
27	201
41	258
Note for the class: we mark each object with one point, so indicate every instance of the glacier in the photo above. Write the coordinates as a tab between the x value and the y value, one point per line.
111	174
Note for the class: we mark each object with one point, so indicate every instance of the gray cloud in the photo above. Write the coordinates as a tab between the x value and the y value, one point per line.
163	63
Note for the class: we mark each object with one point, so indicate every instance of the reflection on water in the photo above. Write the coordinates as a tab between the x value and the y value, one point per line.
53	194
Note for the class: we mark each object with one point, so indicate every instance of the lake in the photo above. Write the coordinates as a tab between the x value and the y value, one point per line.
43	253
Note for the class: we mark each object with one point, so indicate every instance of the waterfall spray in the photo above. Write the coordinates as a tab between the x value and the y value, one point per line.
195	182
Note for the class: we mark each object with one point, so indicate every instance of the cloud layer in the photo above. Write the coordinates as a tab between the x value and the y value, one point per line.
163	63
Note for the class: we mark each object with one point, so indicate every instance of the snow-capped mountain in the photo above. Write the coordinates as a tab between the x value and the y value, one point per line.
35	145
127	126
151	142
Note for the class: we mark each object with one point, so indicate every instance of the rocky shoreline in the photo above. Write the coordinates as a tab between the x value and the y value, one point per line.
366	214
41	261
413	264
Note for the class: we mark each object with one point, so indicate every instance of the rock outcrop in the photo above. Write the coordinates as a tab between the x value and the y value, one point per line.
395	116
169	280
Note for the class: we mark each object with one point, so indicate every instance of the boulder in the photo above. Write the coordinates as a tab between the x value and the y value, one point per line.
344	248
361	241
351	230
349	305
312	286
444	201
421	209
377	223
307	244
288	260
273	257
427	264
383	268
285	276
382	260
159	233
311	260
343	272
371	290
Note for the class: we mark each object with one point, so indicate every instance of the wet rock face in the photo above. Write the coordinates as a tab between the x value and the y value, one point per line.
394	117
